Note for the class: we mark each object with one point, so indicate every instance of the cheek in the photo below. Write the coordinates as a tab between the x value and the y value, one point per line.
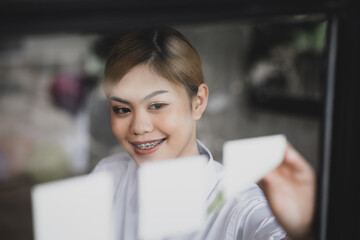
176	121
118	127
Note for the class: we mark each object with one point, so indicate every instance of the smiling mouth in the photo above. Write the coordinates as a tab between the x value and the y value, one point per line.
149	145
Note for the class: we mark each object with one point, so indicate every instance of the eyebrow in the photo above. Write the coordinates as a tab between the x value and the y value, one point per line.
153	94
117	99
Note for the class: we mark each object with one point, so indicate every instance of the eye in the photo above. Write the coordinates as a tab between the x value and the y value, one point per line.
120	110
157	106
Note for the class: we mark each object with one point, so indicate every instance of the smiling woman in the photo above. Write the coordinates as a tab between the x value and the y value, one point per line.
154	83
157	120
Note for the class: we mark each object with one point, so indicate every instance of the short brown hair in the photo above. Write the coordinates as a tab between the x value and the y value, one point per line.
165	50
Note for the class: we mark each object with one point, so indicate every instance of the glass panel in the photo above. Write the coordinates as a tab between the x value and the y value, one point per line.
265	77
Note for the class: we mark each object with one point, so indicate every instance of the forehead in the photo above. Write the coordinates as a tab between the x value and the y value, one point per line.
142	80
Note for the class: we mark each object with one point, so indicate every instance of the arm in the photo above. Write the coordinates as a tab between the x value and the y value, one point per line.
290	190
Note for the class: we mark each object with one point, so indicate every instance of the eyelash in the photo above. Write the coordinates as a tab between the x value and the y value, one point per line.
120	110
152	107
157	106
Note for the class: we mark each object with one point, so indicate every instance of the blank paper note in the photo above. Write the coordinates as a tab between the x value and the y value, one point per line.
78	208
171	197
247	161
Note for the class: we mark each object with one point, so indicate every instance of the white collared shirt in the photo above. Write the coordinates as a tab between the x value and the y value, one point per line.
245	217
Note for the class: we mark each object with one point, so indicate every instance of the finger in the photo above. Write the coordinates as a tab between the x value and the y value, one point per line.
294	159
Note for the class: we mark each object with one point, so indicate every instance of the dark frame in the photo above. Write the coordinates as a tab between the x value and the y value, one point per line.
338	197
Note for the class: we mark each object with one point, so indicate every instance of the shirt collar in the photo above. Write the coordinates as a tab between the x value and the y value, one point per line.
204	151
213	171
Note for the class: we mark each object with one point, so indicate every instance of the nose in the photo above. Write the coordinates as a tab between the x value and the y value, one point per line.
141	123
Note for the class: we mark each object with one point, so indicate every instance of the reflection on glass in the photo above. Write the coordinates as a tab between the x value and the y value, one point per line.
264	78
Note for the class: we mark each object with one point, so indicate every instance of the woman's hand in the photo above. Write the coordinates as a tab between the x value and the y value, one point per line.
290	190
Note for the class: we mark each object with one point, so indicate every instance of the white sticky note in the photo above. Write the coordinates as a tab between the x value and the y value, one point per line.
247	161
171	197
78	208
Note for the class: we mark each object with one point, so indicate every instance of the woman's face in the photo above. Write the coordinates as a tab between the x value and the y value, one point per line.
153	118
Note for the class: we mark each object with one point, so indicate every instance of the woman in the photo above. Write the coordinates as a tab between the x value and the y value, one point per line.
155	85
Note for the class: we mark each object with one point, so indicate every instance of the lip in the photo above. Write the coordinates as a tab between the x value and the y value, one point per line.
147	151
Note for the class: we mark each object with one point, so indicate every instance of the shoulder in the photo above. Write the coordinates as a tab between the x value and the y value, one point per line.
251	218
252	193
238	206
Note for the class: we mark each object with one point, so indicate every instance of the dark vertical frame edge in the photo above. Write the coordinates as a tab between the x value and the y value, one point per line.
323	185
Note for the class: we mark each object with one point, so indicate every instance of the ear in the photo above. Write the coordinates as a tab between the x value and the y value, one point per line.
199	101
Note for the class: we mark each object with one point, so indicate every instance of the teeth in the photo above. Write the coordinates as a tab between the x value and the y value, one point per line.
148	145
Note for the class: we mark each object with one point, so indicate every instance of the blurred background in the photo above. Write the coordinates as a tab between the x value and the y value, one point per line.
265	77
